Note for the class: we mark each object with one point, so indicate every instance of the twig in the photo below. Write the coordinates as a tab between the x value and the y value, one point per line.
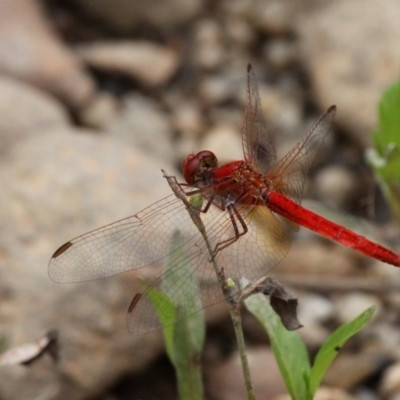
230	290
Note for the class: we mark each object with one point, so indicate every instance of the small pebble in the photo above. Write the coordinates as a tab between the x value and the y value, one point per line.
348	307
336	186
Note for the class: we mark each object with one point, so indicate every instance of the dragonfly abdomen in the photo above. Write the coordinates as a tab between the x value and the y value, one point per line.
295	212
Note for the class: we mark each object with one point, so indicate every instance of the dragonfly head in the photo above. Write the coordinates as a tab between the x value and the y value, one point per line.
199	167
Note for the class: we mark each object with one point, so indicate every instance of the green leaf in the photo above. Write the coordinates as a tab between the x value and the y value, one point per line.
329	350
167	314
389	120
181	286
290	352
187	360
183	327
385	157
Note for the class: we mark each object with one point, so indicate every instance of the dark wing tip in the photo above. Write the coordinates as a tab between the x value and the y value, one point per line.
249	67
331	109
62	249
134	301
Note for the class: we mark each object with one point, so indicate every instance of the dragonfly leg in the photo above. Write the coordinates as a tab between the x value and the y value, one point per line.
233	215
183	191
211	200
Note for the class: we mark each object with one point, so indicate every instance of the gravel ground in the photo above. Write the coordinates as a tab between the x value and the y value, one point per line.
97	96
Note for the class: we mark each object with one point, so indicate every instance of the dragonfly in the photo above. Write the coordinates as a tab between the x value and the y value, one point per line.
248	208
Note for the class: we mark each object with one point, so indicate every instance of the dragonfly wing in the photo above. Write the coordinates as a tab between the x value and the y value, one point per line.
254	254
130	243
251	257
257	142
145	238
188	294
290	225
186	265
290	172
269	239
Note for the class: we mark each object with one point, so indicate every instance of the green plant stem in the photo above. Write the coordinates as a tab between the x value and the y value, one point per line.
234	311
231	294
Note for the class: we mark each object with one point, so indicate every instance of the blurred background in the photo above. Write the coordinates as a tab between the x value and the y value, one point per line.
96	96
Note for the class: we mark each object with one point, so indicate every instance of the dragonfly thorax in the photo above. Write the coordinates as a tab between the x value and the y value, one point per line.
239	180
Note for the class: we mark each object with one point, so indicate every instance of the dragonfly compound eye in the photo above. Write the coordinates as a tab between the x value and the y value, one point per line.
197	167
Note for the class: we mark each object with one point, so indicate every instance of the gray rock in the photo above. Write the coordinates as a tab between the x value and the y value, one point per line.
226	379
274	17
125	15
337	186
143	125
225	141
350	306
31	51
351	51
141	60
26	110
56	185
208	44
390	385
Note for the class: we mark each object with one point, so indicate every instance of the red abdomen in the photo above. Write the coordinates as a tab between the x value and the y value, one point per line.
295	212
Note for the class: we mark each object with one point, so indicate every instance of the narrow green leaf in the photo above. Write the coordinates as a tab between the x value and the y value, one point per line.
190	326
183	327
167	314
187	360
389	119
290	352
387	138
329	350
170	299
181	286
385	157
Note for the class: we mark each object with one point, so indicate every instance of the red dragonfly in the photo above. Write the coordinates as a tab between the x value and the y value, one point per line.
248	209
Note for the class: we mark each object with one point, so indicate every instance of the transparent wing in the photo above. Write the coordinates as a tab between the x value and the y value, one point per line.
144	239
249	258
130	243
256	140
290	172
